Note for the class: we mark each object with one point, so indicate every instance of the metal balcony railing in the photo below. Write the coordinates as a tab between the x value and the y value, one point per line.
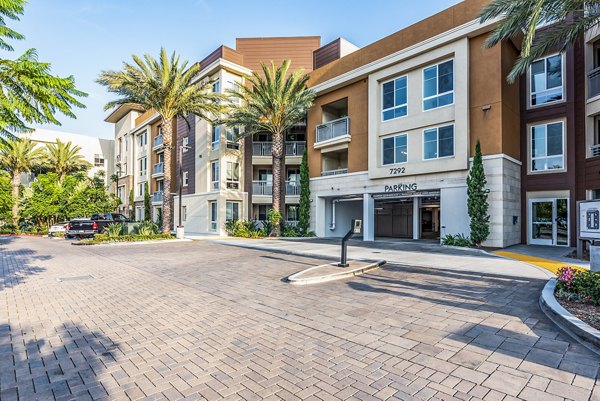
295	148
157	197
158	169
292	188
157	142
333	129
595	150
261	148
334	172
594	83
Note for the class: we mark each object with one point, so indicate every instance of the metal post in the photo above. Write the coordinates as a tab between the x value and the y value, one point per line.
344	255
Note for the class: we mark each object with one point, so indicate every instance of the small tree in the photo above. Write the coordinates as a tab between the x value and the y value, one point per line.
131	202
477	200
147	203
304	217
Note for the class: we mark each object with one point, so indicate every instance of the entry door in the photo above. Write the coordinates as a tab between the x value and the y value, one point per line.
549	222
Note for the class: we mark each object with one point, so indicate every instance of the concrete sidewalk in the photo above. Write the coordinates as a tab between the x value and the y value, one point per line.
409	254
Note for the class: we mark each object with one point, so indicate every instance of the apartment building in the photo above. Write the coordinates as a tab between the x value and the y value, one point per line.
224	179
393	131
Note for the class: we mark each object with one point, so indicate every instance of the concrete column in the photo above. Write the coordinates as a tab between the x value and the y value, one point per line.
368	218
416	218
320	217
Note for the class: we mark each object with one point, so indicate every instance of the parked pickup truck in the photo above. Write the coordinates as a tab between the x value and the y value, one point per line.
85	228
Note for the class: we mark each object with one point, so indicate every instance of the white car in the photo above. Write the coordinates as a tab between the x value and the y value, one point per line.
58	228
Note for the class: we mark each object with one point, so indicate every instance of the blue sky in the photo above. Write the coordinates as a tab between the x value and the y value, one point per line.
83	37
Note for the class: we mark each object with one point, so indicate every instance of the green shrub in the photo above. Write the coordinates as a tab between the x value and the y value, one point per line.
104	238
114	230
147	227
243	229
457	240
584	284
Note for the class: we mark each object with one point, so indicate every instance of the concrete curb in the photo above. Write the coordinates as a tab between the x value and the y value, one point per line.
576	328
297	279
151	242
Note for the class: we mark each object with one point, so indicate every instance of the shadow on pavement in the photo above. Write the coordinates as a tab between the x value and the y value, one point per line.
16	265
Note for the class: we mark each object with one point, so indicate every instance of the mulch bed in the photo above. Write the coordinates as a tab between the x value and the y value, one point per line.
586	312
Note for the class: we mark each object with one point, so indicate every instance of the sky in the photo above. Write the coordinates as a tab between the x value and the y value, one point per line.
84	37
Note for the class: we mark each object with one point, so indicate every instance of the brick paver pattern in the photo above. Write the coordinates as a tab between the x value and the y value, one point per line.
199	320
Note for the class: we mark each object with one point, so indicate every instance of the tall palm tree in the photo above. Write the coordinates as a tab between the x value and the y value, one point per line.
272	103
19	156
64	158
568	20
167	86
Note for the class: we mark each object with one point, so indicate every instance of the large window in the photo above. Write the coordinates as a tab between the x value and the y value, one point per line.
186	178
143	139
438	85
395	149
438	142
232	211
394	99
143	165
233	175
214	175
547	150
546	82
212	206
232	135
215	135
99	160
263	212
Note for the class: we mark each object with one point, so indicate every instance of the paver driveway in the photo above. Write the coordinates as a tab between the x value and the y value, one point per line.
207	321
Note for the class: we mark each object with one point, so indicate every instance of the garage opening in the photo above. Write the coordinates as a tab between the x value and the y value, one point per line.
408	218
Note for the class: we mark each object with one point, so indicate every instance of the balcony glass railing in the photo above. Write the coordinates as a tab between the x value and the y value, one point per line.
261	148
595	150
158	142
293	148
292	188
333	129
158	168
334	172
594	83
157	197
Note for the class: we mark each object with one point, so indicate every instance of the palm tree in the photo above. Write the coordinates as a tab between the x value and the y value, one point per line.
64	158
272	104
30	93
568	20
19	156
167	86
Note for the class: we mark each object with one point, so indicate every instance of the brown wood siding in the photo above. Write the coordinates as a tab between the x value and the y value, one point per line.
592	173
573	110
326	54
144	116
298	49
450	18
187	129
223	52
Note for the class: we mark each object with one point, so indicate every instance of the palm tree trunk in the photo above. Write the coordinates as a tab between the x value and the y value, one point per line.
277	152
167	129
16	184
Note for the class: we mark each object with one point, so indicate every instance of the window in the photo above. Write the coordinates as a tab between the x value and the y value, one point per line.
216	133
184	213
141	188
212	206
438	85
214	174
547	151
143	165
139	213
99	160
292	213
546	80
216	86
263	212
395	149
233	175
394	99
143	139
186	179
126	141
120	192
185	141
232	211
232	135
438	142
235	87
160	186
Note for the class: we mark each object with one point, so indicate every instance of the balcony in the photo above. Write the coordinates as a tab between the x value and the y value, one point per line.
595	149
157	143
594	83
158	170
339	171
292	188
295	148
332	130
262	148
157	197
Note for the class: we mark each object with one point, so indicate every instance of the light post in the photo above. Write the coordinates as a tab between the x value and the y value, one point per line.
180	229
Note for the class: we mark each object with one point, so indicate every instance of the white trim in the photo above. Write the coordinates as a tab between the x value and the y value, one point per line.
438	95
220	62
143	124
562	86
403	54
337	176
499	156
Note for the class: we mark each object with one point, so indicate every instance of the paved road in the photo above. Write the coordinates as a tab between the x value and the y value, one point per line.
200	320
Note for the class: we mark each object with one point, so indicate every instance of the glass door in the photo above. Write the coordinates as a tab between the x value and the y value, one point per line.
549	222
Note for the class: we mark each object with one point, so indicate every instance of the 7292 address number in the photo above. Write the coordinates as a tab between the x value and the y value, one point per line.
397	170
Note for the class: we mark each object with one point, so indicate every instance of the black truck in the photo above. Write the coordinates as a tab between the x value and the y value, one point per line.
86	228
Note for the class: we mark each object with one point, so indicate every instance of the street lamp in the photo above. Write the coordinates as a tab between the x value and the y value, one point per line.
180	230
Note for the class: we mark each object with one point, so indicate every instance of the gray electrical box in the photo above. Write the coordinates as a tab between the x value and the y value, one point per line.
356	226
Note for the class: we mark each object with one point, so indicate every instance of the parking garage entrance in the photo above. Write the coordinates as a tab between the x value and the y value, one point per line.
415	216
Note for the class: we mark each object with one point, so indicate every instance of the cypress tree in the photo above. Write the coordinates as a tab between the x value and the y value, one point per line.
131	202
304	212
147	203
477	200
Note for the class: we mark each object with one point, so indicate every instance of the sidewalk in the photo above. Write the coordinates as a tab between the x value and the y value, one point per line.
409	254
546	257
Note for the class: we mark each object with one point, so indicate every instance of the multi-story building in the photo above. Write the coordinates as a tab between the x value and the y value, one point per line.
394	127
225	179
